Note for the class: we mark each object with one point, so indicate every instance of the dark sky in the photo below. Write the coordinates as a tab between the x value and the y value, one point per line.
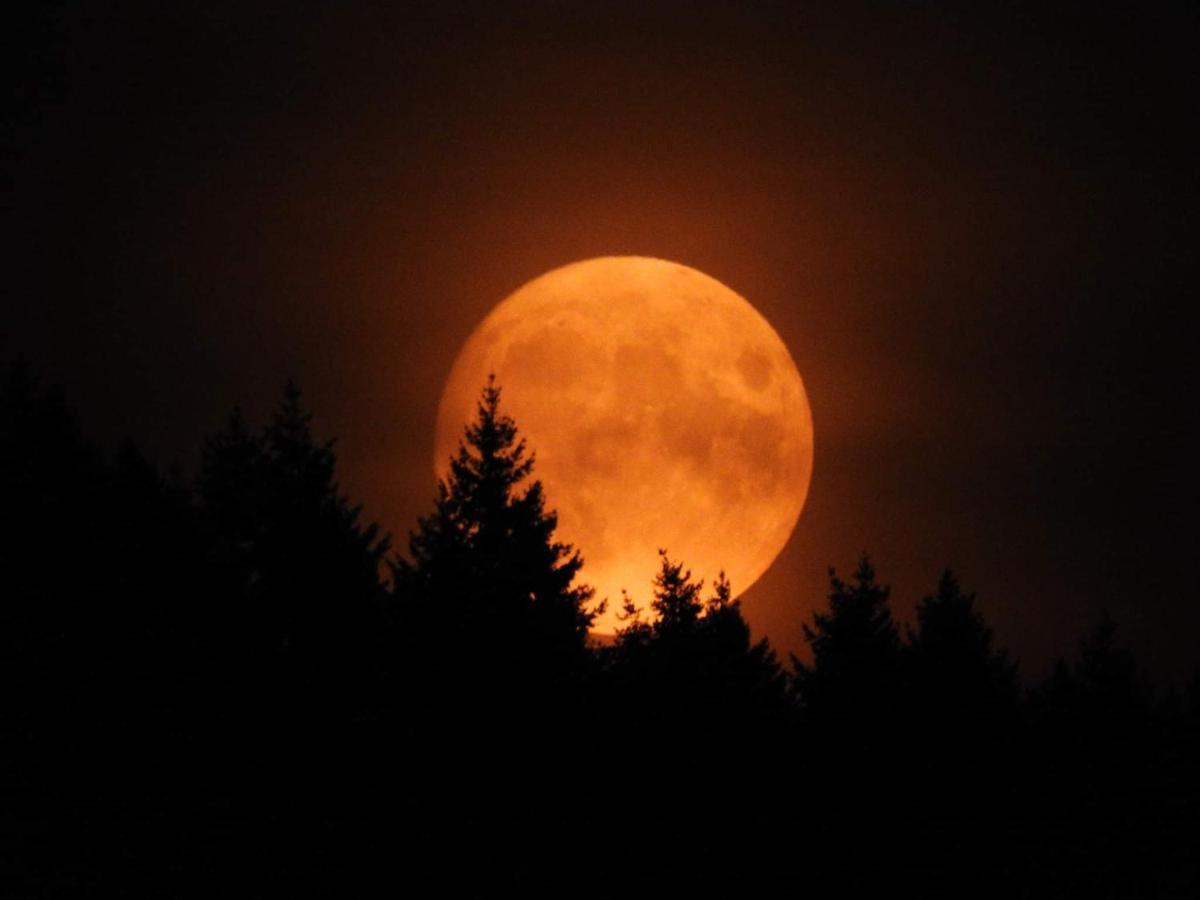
974	229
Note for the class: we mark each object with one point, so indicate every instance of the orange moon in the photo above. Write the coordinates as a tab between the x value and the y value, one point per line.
663	410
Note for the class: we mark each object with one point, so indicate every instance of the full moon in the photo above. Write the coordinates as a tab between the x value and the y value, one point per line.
663	411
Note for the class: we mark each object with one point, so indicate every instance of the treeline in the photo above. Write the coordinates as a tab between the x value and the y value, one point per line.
231	686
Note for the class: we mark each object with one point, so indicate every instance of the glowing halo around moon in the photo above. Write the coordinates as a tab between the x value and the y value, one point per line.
663	409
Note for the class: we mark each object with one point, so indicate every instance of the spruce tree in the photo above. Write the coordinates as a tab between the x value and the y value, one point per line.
747	672
963	704
854	677
299	570
954	668
490	645
703	645
328	560
676	598
702	701
485	567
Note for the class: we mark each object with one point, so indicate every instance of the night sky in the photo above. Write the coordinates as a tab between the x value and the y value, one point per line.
973	229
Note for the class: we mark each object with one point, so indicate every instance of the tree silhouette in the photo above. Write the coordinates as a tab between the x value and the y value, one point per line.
676	598
1101	702
485	563
491	638
1101	771
747	671
323	556
961	728
704	705
855	670
849	707
299	573
703	647
954	668
190	703
98	603
697	660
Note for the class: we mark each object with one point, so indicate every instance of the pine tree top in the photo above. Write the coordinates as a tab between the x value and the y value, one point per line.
676	596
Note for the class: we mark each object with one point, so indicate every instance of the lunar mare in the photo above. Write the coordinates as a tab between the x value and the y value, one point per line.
664	412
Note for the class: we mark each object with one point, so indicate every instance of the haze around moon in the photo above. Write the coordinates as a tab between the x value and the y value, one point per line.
664	412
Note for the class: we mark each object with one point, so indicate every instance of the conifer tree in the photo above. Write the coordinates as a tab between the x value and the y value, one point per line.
953	665
301	569
231	485
699	650
855	670
322	547
963	701
485	562
676	598
750	667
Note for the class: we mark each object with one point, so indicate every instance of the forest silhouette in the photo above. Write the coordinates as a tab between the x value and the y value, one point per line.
231	685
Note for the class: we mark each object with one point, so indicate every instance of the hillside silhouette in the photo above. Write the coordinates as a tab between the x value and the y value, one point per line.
232	685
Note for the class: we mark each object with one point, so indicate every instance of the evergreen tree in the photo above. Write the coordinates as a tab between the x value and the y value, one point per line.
323	556
97	601
695	665
749	670
953	666
677	610
854	678
300	571
851	719
491	639
1108	673
232	486
676	598
1097	752
700	647
960	742
1101	698
703	703
485	564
